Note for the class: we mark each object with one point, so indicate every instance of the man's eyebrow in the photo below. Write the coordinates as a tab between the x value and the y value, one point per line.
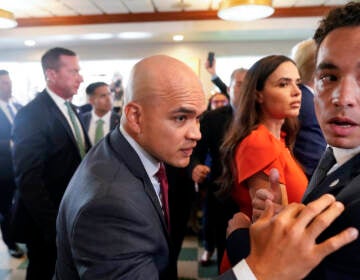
326	65
184	110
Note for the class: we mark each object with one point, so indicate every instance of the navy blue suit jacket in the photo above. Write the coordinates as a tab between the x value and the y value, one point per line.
45	157
310	143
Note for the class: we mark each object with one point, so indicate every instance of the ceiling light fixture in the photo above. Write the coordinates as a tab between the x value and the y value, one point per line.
29	43
7	19
178	38
245	10
134	35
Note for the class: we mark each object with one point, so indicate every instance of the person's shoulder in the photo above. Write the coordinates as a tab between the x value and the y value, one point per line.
33	105
260	137
85	115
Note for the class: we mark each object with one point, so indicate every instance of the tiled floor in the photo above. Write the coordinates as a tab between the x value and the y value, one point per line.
11	268
188	264
14	269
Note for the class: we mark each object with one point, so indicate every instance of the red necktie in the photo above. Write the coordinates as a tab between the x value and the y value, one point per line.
164	193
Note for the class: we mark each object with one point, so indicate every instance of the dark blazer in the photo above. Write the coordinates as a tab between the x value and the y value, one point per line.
110	223
45	157
7	181
344	184
86	118
213	125
310	143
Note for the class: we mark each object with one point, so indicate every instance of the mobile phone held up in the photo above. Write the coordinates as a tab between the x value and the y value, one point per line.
210	58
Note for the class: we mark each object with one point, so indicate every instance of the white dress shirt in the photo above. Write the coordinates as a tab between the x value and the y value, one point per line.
3	107
342	156
93	123
60	103
150	164
243	272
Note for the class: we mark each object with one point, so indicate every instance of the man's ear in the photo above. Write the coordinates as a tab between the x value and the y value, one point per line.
50	74
91	100
133	113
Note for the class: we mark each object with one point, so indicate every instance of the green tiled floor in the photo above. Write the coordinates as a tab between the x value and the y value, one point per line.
188	265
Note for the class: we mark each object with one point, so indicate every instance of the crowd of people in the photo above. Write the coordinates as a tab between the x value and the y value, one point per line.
94	195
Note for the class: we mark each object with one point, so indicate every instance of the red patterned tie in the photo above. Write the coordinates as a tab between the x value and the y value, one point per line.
164	193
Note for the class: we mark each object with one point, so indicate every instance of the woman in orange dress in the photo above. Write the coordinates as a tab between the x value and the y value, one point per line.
262	134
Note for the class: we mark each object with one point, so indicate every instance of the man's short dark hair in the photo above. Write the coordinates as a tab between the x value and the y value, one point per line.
50	60
90	89
346	16
3	72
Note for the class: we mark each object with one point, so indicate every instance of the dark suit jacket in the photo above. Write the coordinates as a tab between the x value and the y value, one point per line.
7	181
344	184
310	142
110	223
45	157
86	118
213	126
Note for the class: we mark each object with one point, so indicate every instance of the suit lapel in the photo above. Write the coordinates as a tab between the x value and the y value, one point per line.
4	119
336	181
55	111
127	154
86	118
326	162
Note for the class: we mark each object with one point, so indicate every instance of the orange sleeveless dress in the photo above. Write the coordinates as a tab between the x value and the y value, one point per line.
261	151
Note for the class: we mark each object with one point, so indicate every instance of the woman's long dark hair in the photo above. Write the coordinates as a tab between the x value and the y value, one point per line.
247	117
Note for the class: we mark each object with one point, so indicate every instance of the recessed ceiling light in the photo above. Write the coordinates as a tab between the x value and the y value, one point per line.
97	36
134	35
29	43
178	37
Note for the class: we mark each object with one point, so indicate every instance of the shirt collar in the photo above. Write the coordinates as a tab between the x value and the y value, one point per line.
57	99
309	88
104	117
151	165
344	155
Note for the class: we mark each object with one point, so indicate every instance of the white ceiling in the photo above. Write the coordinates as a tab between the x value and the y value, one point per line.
194	31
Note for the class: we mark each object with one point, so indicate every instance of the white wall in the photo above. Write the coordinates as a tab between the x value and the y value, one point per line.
183	51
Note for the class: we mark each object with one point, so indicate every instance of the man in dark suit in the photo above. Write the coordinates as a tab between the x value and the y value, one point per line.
100	120
337	107
8	111
112	222
49	143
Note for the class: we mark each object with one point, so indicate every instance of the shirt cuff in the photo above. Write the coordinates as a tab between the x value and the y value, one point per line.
243	272
214	77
